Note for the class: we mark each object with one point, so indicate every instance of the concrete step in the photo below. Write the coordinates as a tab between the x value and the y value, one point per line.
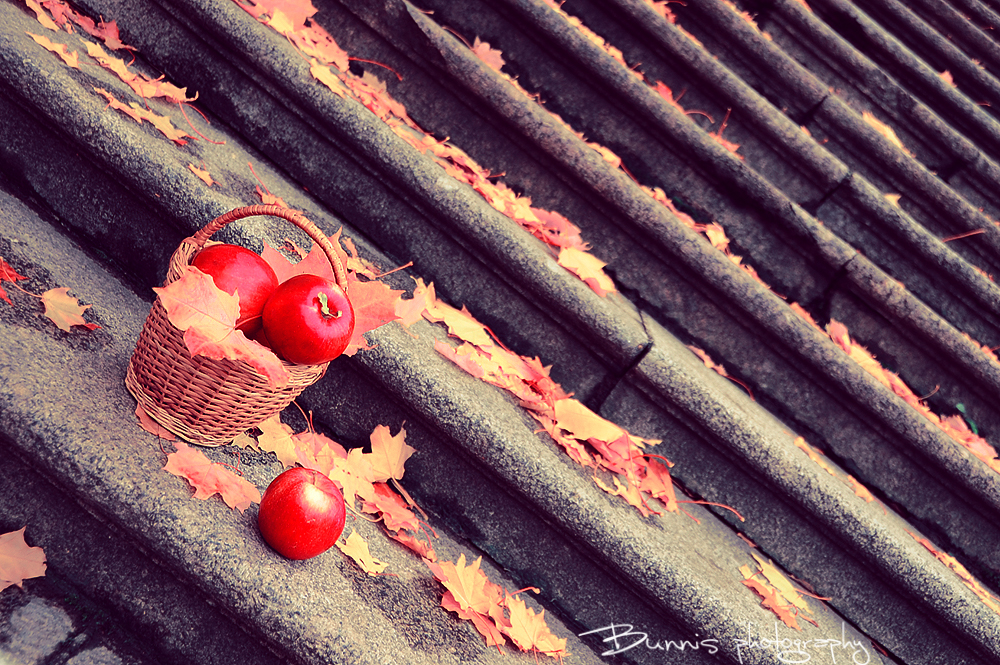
116	198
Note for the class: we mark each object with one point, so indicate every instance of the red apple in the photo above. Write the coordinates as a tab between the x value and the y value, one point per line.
237	269
308	320
301	513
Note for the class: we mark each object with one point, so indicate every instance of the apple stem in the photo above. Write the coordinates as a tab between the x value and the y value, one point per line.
324	302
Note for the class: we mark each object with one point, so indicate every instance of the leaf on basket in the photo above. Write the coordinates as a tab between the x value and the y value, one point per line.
209	478
374	303
208	315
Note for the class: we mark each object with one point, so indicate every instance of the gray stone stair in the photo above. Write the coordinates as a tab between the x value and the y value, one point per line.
93	201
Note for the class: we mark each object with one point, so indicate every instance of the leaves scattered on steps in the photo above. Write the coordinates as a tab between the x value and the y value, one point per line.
61	15
61	308
777	593
617	458
18	560
971	582
494	611
329	66
955	426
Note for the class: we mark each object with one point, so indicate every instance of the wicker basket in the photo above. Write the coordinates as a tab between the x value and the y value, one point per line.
205	401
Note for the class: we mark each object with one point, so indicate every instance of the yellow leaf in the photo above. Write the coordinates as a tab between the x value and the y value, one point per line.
357	549
885	130
325	75
276	437
582	423
587	267
42	17
64	310
203	174
388	454
71	58
18	561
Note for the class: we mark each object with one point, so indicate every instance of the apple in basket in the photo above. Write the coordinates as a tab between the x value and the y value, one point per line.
237	269
301	514
308	320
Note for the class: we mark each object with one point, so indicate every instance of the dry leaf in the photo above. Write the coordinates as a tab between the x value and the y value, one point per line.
356	548
209	478
64	310
19	561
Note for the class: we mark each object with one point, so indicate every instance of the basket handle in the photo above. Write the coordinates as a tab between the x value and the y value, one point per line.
195	243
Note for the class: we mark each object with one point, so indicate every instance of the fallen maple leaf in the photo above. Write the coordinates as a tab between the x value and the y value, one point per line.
374	305
572	416
529	631
208	316
885	130
471	595
141	114
19	561
8	274
353	474
588	268
357	549
64	310
276	437
777	593
411	310
42	17
209	478
389	453
71	58
203	174
491	56
395	513
151	426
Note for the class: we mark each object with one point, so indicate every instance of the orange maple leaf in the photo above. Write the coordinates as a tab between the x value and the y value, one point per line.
587	267
276	437
203	174
140	114
491	56
71	58
353	474
64	310
19	561
471	595
374	305
423	549
389	453
357	549
42	17
460	323
529	631
209	478
208	316
395	513
572	416
412	310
